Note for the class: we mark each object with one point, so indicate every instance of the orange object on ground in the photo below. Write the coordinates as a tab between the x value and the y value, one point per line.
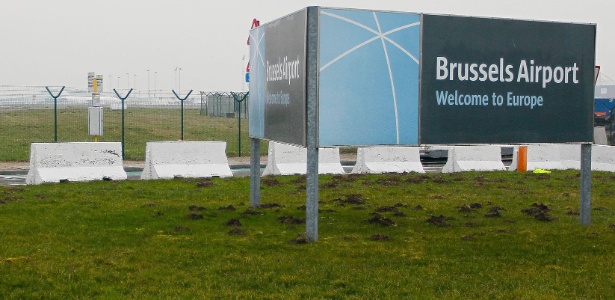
522	159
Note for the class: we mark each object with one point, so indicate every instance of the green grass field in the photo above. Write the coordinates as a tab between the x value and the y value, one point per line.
20	128
472	235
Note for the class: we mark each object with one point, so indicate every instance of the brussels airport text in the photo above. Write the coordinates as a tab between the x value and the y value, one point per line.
528	71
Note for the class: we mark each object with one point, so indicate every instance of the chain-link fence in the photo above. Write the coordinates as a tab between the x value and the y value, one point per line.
27	115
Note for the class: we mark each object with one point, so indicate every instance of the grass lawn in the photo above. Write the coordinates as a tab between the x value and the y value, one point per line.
473	235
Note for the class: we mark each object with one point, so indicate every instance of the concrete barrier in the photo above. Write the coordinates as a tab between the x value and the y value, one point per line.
543	156
284	159
570	155
56	162
603	158
186	159
384	159
474	158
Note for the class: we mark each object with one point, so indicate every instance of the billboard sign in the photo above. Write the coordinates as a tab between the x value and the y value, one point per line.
533	84
277	85
395	78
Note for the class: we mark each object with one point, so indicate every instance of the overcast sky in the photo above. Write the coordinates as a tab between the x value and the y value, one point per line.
57	42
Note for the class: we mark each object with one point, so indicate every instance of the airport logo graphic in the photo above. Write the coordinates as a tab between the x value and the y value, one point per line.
369	71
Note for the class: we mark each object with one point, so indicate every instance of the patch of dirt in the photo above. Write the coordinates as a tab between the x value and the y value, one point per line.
599	208
301	239
237	231
251	212
204	182
571	212
270	181
150	204
300	179
612	226
301	207
418	207
158	214
438	197
330	184
494	212
13	190
441	180
381	220
351	199
387	209
540	212
347	177
271	205
39	196
379	237
8	199
390	180
471	224
291	220
194	216
465	208
233	222
476	205
400	214
440	221
227	208
468	238
196	208
416	179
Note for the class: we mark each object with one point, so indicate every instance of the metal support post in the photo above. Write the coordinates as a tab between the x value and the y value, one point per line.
586	183
239	100
55	112
182	110
311	206
255	172
122	100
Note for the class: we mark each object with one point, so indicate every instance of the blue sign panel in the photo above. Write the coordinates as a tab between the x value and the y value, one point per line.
369	77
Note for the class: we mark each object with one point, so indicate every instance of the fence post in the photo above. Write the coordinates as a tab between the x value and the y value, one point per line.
236	98
181	100
122	99
55	112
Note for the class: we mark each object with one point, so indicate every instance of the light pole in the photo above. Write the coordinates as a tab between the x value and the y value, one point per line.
118	82
128	79
148	94
155	73
134	82
179	84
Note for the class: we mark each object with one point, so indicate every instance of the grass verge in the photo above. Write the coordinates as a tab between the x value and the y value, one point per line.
477	235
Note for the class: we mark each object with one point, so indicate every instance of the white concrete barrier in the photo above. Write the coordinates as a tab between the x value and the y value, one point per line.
55	162
187	159
603	158
385	159
570	155
474	158
600	135
284	159
542	156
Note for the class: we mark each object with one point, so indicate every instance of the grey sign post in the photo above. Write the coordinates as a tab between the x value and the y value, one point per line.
586	183
311	205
